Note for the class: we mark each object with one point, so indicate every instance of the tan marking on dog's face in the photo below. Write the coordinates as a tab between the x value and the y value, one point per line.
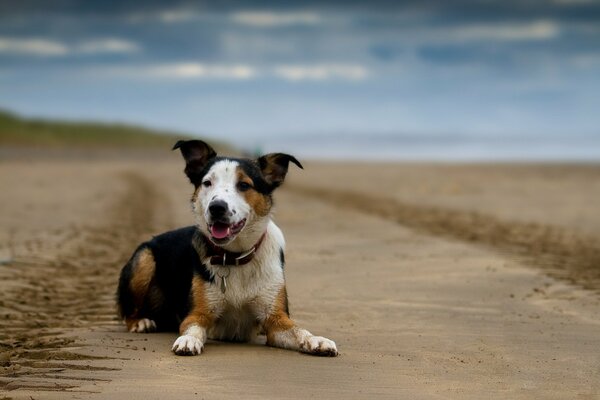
260	203
143	272
201	313
278	320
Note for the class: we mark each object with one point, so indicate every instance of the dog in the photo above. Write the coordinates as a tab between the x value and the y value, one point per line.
222	278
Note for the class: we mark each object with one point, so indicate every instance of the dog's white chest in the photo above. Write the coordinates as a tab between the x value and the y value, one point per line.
245	302
239	287
241	297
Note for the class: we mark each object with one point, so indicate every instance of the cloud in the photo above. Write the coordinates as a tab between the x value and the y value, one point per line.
175	16
321	72
201	71
469	36
108	45
272	19
491	45
537	30
33	47
53	48
183	71
166	16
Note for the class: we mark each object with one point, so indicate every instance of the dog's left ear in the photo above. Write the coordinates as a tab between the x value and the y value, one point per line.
196	154
274	167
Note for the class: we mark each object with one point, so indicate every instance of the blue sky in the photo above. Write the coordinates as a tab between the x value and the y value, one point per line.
247	70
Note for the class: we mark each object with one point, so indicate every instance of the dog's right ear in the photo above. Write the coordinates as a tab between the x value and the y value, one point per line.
196	154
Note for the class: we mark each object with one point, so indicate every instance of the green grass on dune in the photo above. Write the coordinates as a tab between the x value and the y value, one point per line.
22	132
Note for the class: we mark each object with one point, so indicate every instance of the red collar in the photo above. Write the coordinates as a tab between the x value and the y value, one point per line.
220	256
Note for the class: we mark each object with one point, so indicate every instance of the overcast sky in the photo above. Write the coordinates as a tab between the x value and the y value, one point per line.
239	70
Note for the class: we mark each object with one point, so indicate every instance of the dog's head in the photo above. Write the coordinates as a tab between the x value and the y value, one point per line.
231	195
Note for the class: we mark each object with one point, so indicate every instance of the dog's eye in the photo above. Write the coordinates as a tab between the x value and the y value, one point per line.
243	186
207	184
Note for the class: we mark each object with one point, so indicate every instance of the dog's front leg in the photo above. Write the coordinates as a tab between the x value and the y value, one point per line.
192	339
299	339
194	327
282	332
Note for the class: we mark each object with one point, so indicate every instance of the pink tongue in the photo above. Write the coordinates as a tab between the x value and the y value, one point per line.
219	231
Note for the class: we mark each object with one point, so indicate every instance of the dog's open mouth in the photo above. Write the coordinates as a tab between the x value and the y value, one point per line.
222	230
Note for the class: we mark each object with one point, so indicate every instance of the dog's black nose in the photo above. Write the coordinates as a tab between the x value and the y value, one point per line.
217	209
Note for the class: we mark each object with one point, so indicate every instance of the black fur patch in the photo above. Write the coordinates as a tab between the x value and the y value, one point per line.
251	169
282	261
197	178
176	262
174	252
282	258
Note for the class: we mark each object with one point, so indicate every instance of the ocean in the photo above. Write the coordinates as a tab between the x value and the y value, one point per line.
449	147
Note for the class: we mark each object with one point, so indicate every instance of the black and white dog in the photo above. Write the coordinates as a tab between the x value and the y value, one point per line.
223	277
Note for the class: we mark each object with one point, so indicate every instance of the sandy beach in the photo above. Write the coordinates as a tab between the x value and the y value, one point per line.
436	282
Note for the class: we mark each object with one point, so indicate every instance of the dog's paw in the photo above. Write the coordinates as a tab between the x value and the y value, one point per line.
319	346
187	345
143	325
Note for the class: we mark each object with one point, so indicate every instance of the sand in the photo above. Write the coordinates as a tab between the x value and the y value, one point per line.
390	261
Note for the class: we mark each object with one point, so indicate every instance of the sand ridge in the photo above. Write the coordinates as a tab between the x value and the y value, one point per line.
52	288
562	252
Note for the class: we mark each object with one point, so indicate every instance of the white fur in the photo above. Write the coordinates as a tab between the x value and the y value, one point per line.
318	345
144	325
191	342
304	341
188	345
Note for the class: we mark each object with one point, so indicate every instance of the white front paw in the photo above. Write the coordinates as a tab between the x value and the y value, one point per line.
188	345
319	346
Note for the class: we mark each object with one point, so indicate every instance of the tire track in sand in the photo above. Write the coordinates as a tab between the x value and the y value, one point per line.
49	297
560	252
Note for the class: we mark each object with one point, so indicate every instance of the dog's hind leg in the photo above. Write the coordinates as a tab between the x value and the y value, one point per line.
143	325
282	332
133	292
